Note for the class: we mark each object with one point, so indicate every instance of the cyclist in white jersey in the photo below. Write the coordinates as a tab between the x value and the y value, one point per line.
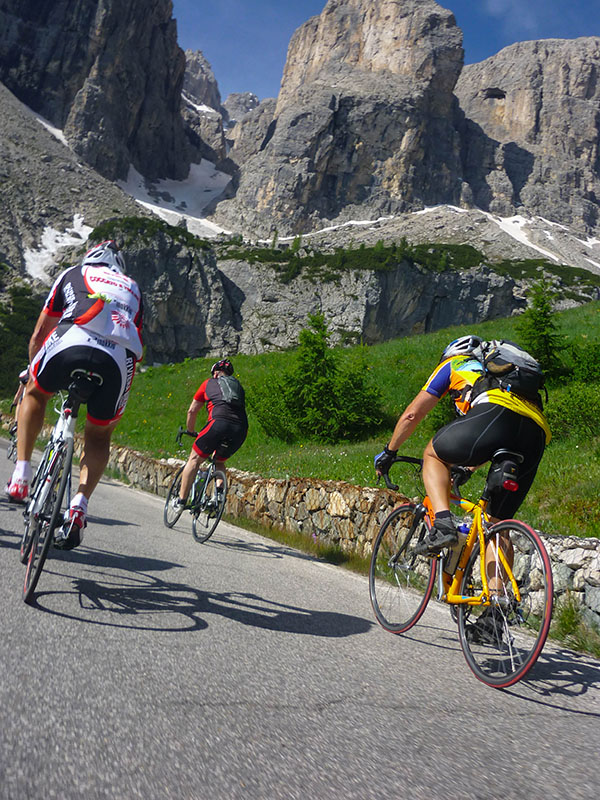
91	319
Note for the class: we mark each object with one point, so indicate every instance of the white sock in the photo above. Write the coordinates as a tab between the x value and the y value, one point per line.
22	472
80	501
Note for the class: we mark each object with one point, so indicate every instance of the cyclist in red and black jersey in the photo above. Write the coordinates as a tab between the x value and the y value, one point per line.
227	425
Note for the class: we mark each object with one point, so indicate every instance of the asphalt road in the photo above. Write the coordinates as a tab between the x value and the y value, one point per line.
154	667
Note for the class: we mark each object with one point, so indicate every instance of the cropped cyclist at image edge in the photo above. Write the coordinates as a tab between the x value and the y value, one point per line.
227	425
91	320
494	419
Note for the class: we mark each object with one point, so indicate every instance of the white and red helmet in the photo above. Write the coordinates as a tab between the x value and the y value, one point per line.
105	254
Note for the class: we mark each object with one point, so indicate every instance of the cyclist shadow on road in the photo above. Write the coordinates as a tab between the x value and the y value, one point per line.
561	673
140	600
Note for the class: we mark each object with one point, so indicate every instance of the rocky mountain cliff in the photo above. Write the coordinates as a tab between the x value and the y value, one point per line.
377	116
45	189
363	122
531	137
108	73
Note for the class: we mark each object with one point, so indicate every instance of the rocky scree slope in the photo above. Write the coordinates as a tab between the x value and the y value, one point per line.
44	186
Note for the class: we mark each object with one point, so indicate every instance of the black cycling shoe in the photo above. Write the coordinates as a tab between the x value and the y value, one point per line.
487	628
442	534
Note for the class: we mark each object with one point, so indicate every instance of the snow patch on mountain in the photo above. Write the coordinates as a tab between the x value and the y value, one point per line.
174	201
39	260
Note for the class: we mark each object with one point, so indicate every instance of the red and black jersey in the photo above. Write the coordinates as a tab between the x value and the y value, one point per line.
218	408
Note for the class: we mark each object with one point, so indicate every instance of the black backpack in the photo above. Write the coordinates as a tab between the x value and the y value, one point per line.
232	391
509	367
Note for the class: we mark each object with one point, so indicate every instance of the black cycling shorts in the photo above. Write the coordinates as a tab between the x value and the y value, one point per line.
222	435
473	439
68	348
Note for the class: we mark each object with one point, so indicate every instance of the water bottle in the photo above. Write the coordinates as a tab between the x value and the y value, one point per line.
455	552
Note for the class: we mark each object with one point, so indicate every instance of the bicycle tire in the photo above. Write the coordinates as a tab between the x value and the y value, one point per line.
501	647
59	475
400	581
170	514
11	450
27	537
207	514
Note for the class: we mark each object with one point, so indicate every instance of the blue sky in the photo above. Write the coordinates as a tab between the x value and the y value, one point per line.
246	41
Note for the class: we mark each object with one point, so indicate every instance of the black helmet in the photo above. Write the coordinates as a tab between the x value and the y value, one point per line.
224	365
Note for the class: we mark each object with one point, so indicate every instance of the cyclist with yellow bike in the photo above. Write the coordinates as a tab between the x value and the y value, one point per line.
488	420
491	417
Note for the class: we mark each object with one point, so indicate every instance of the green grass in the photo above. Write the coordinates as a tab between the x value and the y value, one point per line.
564	497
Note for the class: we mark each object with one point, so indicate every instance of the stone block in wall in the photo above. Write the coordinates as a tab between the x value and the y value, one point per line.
577	557
337	506
592	598
563	577
315	499
276	491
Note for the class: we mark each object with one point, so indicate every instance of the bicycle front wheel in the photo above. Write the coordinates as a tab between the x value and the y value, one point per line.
400	581
502	641
208	512
53	485
171	513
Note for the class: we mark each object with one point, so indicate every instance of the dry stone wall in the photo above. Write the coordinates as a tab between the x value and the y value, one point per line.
349	516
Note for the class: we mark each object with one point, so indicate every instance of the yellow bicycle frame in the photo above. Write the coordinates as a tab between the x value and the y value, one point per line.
451	583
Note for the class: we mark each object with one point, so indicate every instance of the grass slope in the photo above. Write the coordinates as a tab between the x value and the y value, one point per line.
564	497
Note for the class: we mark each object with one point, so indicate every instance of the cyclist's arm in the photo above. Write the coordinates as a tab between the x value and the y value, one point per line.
410	418
43	327
192	413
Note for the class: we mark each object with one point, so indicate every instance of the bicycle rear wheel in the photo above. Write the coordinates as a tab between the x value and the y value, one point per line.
53	485
172	514
11	451
41	471
208	512
502	641
400	581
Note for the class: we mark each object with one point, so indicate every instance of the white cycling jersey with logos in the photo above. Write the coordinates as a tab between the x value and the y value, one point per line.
107	304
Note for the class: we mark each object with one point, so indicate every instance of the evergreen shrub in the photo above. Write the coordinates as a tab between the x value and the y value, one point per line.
321	396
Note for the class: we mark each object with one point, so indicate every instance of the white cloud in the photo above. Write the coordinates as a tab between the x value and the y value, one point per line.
528	18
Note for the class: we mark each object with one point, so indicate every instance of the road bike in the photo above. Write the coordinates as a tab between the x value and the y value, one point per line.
50	490
497	579
206	500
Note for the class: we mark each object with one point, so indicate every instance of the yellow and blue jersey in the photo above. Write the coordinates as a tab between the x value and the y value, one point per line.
457	375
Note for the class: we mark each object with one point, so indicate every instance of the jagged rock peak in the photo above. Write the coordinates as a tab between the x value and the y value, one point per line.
238	104
199	83
533	129
414	38
109	73
363	123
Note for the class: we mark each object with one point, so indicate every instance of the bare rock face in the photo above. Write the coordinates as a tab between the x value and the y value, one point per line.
532	130
199	82
239	104
109	73
46	188
364	119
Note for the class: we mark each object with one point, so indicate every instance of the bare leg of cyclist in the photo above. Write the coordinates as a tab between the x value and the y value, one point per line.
220	465
436	477
31	419
495	572
189	473
94	456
